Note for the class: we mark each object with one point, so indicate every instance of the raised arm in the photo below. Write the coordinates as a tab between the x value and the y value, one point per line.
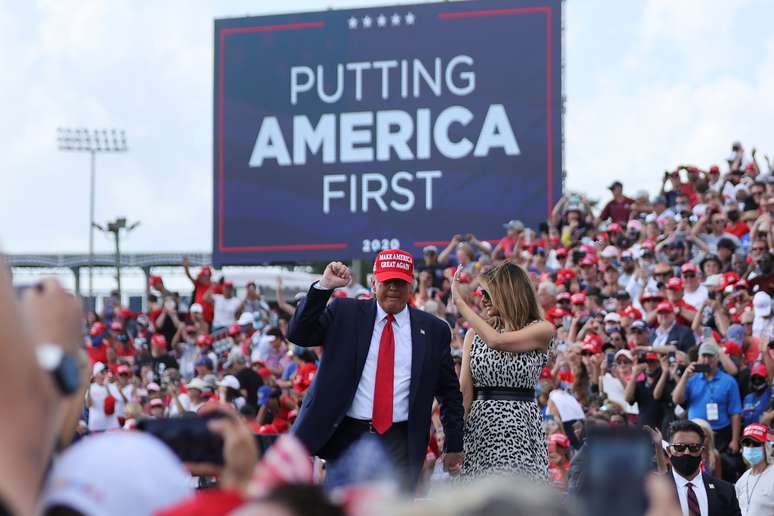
187	270
284	306
443	258
309	323
533	337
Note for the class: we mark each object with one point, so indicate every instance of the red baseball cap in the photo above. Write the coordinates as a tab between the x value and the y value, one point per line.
563	296
562	252
587	262
614	227
158	340
545	373
264	372
631	313
206	271
714	169
228	283
394	264
732	348
689	267
665	306
756	432
124	369
759	369
97	328
651	356
234	329
675	284
559	439
578	299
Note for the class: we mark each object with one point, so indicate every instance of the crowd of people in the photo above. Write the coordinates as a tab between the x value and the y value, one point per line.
662	312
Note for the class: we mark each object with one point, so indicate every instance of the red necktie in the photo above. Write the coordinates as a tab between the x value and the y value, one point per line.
385	370
693	502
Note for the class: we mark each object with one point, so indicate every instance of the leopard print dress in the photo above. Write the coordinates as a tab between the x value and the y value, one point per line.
505	437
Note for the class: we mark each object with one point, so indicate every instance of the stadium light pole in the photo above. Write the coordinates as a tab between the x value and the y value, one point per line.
92	141
115	228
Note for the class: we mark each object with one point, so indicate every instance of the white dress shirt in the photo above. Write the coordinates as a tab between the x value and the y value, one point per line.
698	488
363	405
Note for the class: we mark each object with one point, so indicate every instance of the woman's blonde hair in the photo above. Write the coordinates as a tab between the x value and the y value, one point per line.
513	296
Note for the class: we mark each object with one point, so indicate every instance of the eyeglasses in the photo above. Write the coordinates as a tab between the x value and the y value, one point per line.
758	249
485	295
689	275
662	274
747	443
682	448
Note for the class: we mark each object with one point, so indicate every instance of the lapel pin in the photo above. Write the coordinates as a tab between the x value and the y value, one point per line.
712	486
422	331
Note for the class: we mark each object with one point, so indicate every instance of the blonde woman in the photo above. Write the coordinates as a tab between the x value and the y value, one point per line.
710	455
501	362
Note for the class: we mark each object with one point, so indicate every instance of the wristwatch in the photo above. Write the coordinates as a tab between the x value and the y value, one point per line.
64	367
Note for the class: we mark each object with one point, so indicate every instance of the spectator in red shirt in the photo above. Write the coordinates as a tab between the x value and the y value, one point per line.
619	208
203	289
736	226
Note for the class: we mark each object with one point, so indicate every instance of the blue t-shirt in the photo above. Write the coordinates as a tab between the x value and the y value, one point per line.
754	406
722	389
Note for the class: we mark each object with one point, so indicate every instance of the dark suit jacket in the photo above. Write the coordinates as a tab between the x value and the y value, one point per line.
721	495
680	333
344	329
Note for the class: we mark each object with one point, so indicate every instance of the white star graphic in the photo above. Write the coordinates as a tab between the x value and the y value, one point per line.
410	18
366	21
395	19
352	23
381	20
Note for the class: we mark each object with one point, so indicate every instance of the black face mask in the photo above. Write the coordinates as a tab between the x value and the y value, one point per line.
685	465
758	386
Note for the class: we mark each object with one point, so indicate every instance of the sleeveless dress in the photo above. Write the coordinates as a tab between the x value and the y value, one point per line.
505	437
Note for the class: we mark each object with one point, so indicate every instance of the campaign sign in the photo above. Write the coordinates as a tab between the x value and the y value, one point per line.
341	133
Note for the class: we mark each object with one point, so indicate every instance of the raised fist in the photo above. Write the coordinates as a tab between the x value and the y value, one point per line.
336	275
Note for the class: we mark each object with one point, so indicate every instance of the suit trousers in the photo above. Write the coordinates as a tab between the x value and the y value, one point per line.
394	442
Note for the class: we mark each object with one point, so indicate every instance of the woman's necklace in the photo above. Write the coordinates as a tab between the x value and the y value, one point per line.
747	491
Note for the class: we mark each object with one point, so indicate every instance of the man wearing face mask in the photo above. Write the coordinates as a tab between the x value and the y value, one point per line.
756	401
755	488
699	493
641	391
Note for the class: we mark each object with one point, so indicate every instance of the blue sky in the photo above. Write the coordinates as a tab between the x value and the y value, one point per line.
649	84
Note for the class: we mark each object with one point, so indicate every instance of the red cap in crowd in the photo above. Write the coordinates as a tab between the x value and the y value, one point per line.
614	228
563	296
559	439
578	298
759	369
98	328
675	284
689	267
228	283
587	262
124	369
566	376
554	314
116	326
545	373
203	340
264	372
562	252
714	169
158	341
732	348
206	271
234	330
155	281
665	306
592	343
394	264
756	432
631	313
651	356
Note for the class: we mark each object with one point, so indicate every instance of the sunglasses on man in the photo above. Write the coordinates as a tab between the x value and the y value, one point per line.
690	448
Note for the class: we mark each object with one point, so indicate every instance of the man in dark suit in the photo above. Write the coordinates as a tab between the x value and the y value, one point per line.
382	365
669	330
699	493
